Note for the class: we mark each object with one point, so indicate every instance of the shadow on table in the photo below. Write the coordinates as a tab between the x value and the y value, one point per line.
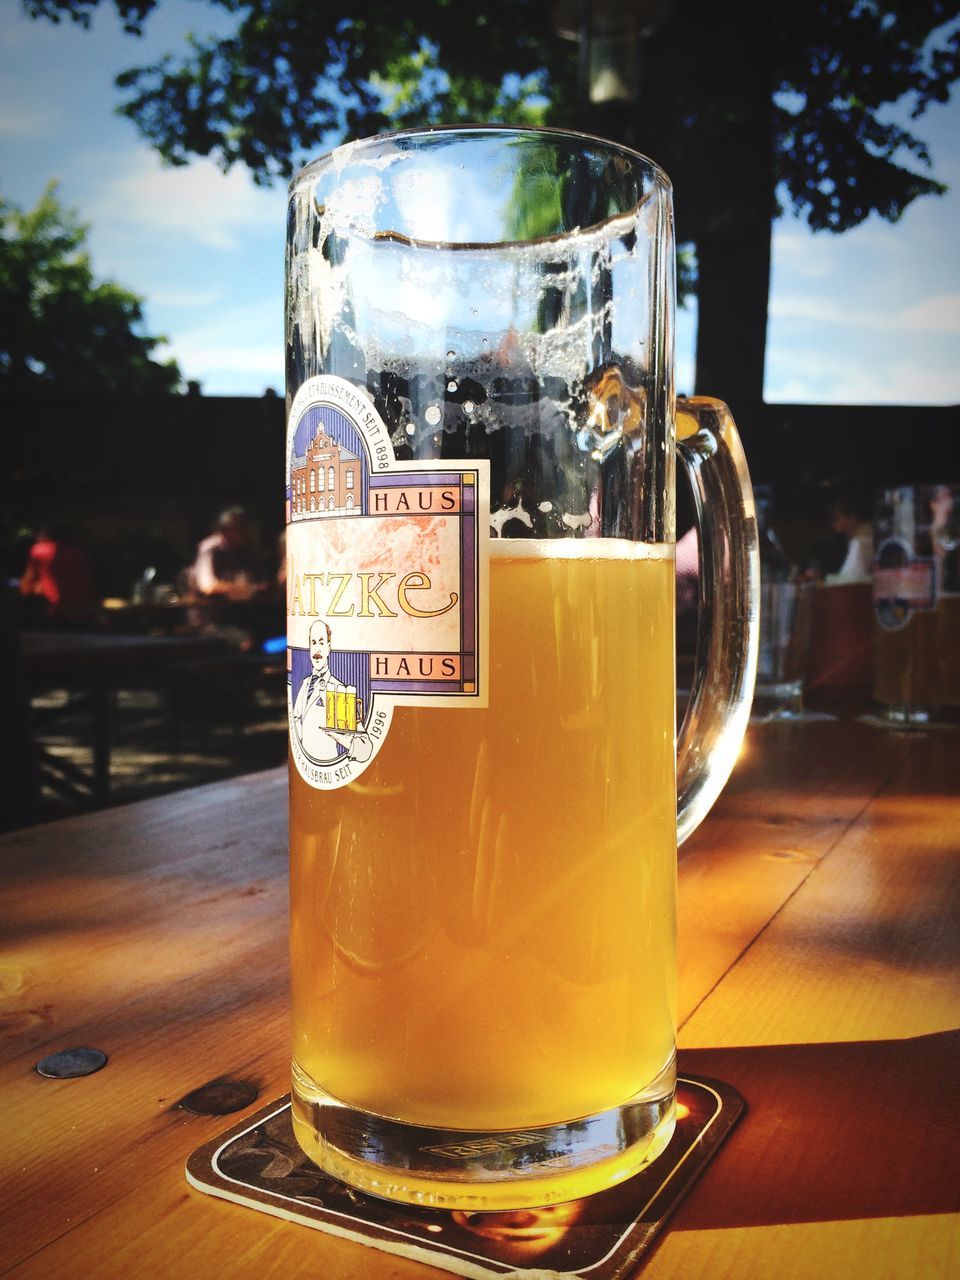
116	717
865	1129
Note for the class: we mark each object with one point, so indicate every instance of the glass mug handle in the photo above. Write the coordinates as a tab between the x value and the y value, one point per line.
711	734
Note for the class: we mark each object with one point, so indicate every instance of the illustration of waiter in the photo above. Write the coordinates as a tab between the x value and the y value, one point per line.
315	718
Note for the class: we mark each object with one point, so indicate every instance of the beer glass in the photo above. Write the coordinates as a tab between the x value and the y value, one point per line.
481	445
786	613
916	599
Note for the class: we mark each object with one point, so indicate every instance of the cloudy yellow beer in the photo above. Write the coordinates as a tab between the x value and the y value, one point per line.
483	922
948	649
906	671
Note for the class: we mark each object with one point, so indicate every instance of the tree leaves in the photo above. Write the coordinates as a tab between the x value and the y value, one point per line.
297	76
60	329
747	106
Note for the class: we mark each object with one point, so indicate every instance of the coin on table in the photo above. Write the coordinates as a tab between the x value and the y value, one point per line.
70	1063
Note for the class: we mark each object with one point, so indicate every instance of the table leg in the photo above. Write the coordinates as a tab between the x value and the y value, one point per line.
101	742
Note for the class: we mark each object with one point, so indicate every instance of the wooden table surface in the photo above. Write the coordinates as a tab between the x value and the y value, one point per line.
818	975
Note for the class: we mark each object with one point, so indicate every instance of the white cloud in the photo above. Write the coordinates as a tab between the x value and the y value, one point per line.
242	344
810	376
257	359
814	254
940	314
189	299
904	382
196	202
808	306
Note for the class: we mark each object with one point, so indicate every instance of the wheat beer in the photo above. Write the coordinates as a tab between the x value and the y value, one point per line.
483	923
916	593
906	671
948	649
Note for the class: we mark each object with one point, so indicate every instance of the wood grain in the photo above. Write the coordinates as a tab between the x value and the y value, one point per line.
838	1024
819	948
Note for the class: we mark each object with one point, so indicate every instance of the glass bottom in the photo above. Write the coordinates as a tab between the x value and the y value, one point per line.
907	717
474	1170
777	700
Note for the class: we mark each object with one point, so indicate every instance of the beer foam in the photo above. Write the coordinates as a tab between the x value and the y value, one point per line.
580	549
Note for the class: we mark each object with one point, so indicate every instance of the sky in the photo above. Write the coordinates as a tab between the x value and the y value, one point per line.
868	317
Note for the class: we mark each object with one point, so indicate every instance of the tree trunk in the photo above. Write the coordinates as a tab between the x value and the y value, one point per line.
733	242
723	167
733	285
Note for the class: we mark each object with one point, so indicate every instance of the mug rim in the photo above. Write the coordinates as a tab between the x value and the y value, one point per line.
340	158
515	131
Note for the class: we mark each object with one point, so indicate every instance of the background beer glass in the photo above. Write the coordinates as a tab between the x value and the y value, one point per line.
483	869
916	599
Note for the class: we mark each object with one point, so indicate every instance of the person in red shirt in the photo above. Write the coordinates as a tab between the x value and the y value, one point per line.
58	576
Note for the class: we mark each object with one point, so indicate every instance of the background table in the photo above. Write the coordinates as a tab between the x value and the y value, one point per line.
99	663
818	975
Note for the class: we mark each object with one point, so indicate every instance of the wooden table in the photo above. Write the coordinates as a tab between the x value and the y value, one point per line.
261	617
99	663
819	976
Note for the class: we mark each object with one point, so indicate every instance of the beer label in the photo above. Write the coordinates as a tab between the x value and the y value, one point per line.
903	584
386	566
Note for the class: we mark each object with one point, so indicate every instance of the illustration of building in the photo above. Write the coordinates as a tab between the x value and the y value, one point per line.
325	481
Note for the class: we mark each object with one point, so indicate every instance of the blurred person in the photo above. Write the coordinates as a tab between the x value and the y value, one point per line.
229	563
281	577
58	577
945	535
850	516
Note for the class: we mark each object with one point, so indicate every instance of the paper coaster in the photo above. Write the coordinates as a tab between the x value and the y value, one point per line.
601	1237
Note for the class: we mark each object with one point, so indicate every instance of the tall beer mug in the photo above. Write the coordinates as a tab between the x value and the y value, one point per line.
481	444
